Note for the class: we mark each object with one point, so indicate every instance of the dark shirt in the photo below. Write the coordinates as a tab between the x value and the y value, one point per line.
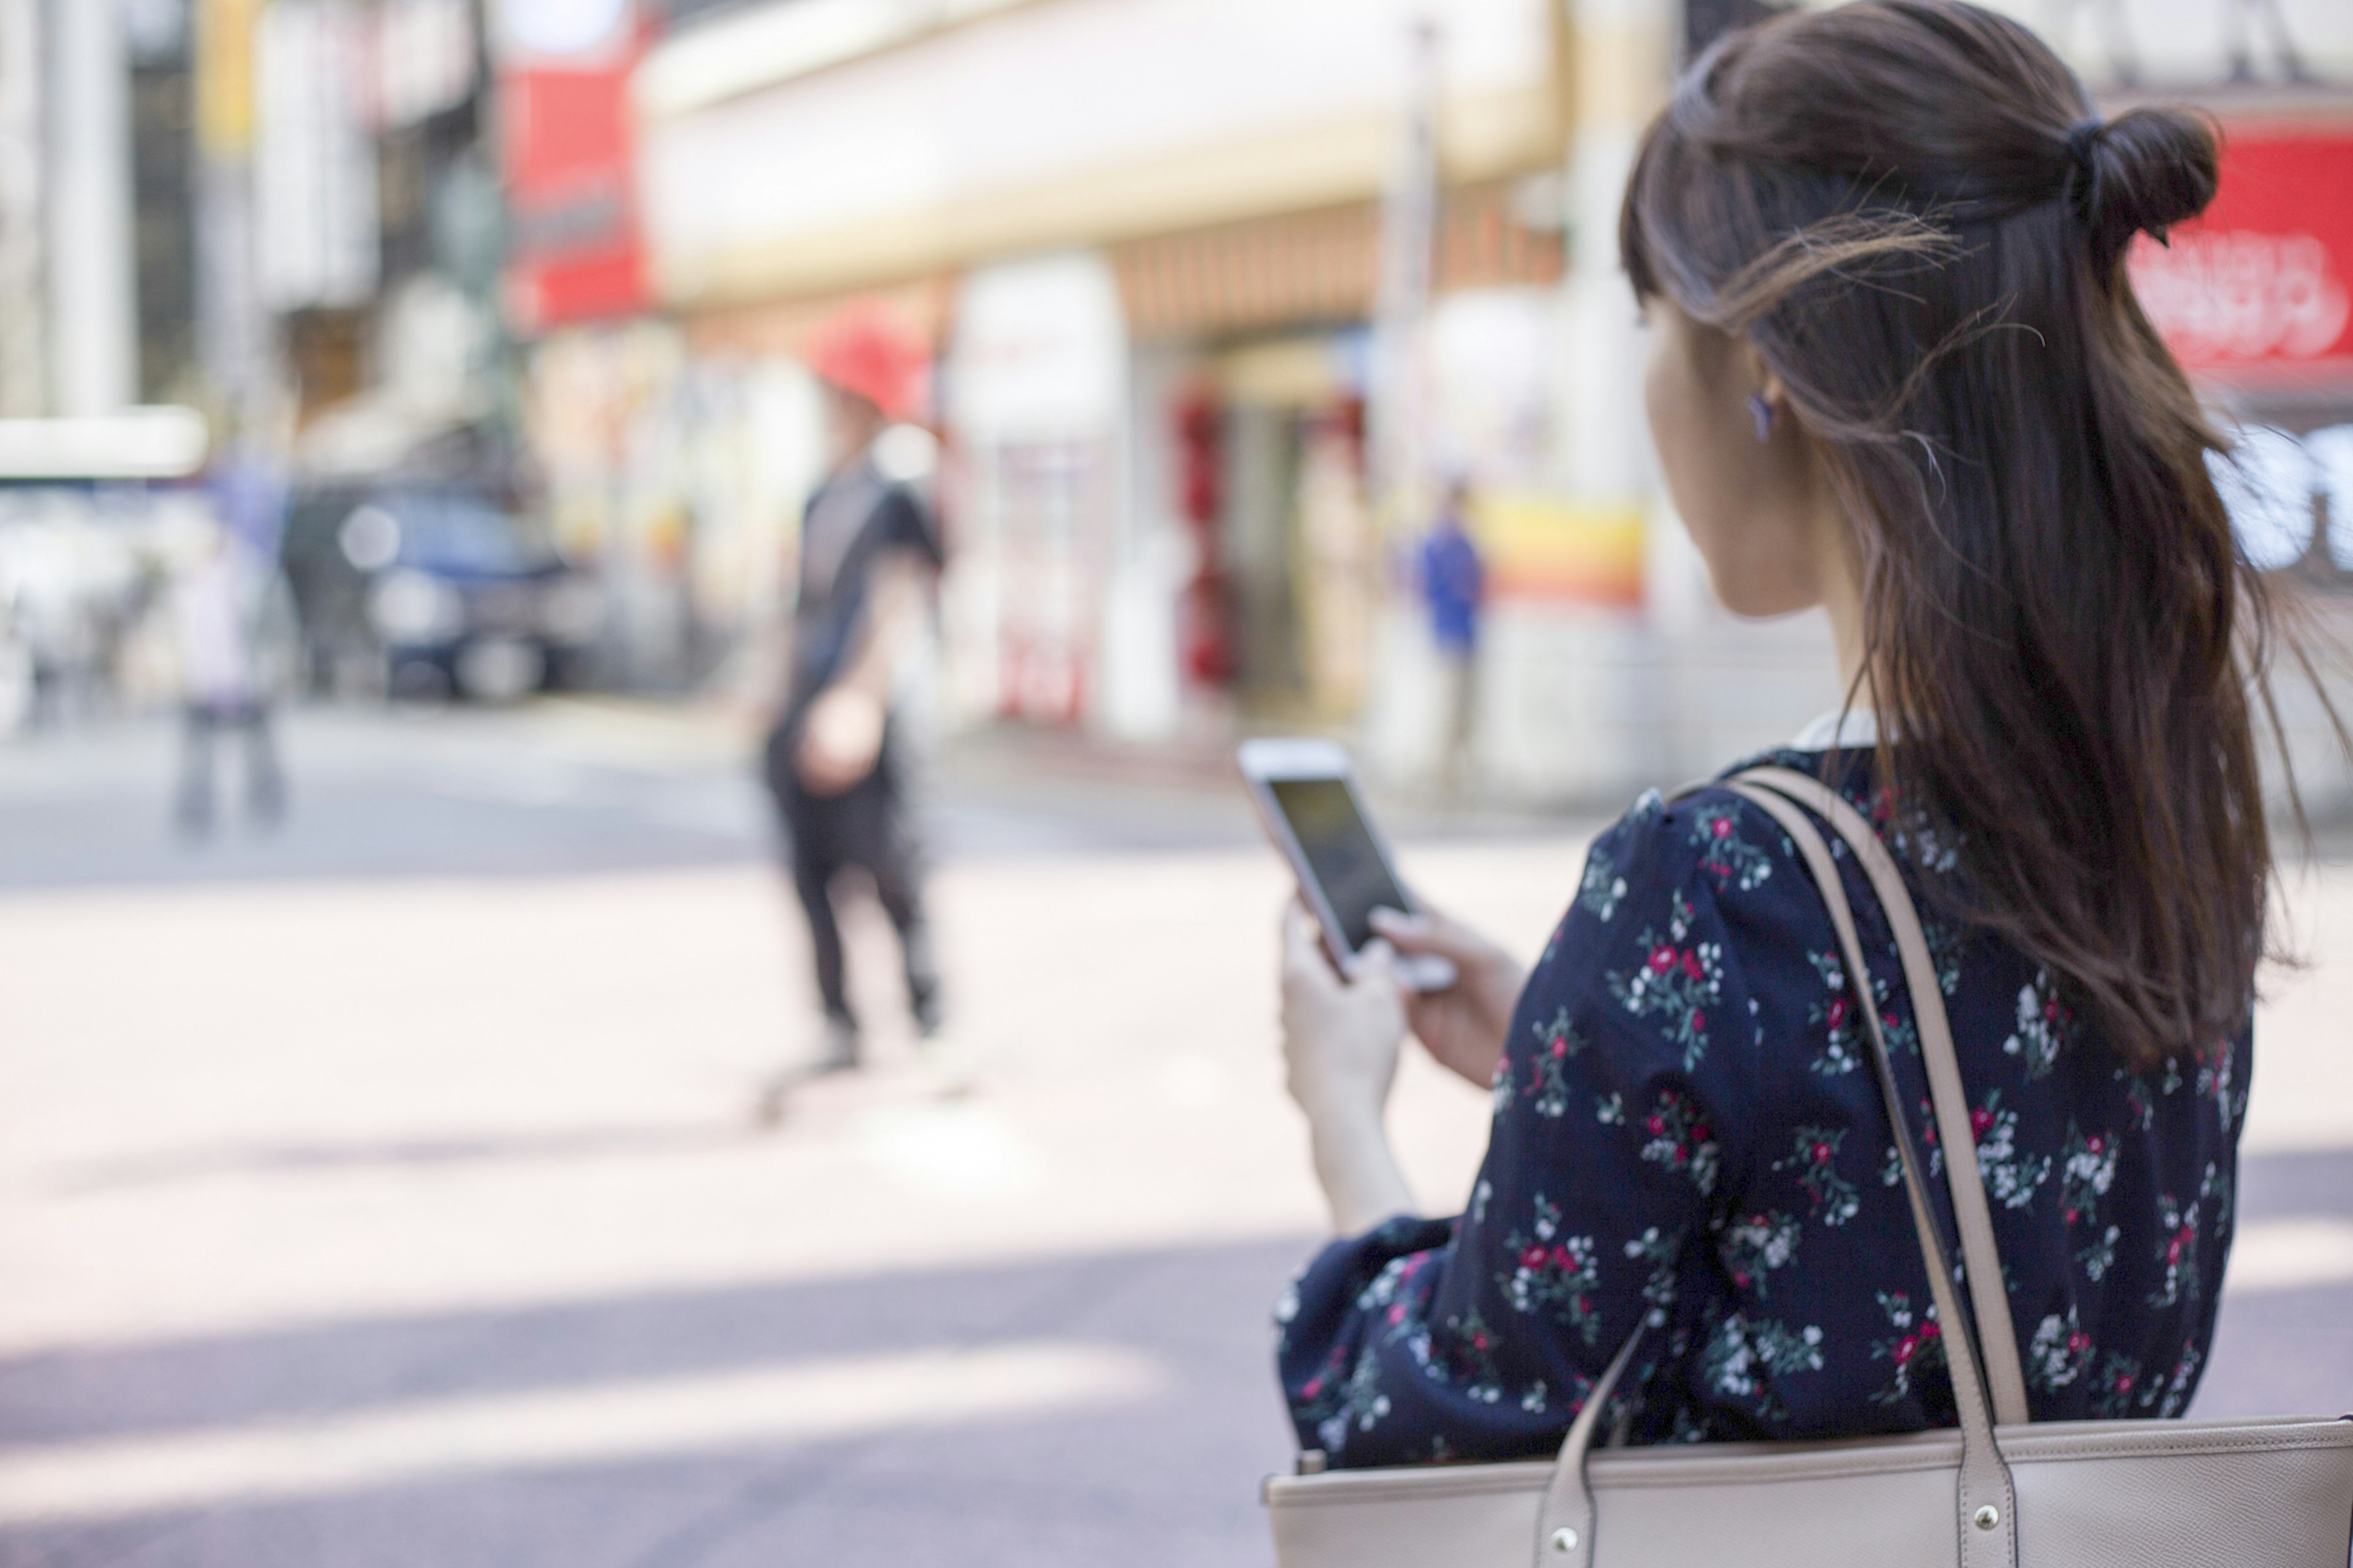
854	520
1453	582
1687	1128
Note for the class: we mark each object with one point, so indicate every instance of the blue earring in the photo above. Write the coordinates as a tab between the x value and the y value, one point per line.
1761	412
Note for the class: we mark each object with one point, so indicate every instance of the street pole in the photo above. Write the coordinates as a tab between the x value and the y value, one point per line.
1408	255
93	288
231	332
24	340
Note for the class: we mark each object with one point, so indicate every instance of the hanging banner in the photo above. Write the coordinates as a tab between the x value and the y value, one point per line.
574	253
2263	282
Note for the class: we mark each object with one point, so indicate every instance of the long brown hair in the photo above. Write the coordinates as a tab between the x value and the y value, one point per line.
1912	210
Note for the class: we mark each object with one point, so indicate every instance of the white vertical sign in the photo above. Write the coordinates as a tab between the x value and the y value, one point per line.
314	165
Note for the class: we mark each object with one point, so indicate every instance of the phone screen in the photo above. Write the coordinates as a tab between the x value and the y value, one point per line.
1339	848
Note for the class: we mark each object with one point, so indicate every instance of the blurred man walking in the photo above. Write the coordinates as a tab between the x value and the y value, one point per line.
836	760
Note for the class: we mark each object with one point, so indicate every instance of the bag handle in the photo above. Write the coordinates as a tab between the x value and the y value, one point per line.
1997	1335
1985	1517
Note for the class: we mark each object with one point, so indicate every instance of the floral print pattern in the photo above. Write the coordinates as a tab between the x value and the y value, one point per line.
2041	1023
1677	981
1724	855
1557	1044
1915	1344
1689	1134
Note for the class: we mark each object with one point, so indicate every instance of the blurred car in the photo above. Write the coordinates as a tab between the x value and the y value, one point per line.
436	592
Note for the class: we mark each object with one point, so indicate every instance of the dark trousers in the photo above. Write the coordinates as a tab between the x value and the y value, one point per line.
265	785
870	826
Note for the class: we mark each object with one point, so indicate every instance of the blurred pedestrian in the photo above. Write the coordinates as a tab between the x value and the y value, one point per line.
1453	582
233	614
837	760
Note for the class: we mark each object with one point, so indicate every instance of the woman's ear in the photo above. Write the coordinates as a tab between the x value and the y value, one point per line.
1762	379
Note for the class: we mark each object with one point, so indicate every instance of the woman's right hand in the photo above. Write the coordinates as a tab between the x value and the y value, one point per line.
1464	1026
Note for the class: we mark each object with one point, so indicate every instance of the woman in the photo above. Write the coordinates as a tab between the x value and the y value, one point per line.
1896	371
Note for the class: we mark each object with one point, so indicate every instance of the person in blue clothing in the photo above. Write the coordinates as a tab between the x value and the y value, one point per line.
1896	372
1453	583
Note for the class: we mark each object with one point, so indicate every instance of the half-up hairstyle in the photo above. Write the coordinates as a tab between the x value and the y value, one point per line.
1913	212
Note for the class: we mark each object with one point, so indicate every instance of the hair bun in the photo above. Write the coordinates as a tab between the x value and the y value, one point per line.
2146	170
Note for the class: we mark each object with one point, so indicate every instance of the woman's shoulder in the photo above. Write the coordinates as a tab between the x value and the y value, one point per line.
1704	839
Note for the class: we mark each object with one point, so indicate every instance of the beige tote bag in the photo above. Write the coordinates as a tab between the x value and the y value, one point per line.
1995	1493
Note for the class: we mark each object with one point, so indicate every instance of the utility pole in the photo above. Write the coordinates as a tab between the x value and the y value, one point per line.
93	289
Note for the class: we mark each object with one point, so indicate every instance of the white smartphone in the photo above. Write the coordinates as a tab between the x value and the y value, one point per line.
1306	794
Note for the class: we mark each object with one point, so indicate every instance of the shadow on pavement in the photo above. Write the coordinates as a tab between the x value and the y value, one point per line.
1168	1477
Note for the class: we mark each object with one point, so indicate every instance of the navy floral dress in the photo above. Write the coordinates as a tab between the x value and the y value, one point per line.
1687	1130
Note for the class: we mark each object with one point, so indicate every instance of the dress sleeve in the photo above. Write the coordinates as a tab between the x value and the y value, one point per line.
1623	1109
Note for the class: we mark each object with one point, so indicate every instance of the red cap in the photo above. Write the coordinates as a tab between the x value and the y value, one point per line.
867	348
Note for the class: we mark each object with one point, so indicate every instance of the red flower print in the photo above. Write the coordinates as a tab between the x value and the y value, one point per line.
1691	966
1979	1119
1662	960
1722	828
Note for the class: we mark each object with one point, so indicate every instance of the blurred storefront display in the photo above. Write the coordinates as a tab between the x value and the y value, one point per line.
1158	350
1223	294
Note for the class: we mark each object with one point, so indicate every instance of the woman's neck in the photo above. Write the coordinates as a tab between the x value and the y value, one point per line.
1834	570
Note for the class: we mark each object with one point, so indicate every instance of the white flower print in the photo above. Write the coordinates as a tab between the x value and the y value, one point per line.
1813	1155
1557	1044
2059	1353
1679	1140
1602	886
2088	1169
1362	1403
2041	1026
2096	1259
1675	982
1916	1344
1742	1356
1751	1248
1841	1051
1731	859
1662	1252
1553	1271
2012	1177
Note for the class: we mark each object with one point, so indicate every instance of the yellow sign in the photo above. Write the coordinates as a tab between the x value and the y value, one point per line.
1543	547
225	31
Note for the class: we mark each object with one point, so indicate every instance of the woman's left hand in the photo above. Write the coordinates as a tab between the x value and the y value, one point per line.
1340	1040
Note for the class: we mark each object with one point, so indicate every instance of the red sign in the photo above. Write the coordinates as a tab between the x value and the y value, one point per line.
574	252
2265	278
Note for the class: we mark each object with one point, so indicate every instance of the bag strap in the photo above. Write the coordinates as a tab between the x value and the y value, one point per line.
1997	1335
1985	1519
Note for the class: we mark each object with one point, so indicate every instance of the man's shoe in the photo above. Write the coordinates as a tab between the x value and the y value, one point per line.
838	1054
841	1052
